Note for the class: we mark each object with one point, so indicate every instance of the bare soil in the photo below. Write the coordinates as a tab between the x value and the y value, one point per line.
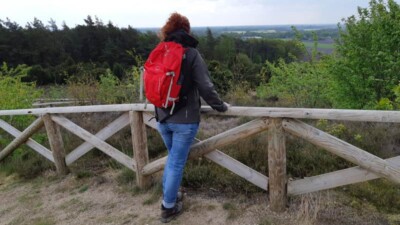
100	199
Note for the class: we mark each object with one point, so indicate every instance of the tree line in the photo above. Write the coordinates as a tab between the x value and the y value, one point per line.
362	73
58	53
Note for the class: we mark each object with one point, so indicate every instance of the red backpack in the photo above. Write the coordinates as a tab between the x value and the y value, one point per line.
161	74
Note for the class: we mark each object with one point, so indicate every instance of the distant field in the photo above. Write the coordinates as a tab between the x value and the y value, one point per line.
320	45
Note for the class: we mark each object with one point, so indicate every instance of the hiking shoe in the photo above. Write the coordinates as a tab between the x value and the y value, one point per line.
168	214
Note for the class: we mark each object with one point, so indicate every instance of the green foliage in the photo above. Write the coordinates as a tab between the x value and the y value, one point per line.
224	50
384	104
384	195
297	83
109	88
366	68
83	89
221	76
302	84
15	94
25	162
126	176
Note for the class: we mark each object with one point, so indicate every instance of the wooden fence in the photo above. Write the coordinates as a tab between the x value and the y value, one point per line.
277	121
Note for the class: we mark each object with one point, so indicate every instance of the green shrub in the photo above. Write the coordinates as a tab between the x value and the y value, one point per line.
83	89
15	94
383	194
109	89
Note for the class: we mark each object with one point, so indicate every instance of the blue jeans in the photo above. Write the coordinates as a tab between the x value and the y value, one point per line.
177	138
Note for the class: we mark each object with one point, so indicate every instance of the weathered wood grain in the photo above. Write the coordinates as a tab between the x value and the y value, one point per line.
224	160
30	142
140	152
103	134
219	140
22	138
335	179
97	142
277	166
299	113
343	149
56	144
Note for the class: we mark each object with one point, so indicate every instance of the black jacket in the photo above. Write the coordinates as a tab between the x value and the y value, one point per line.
196	83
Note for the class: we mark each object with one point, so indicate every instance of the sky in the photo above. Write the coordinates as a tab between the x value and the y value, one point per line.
154	13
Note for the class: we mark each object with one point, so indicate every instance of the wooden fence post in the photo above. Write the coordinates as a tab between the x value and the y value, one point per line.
56	144
277	166
140	152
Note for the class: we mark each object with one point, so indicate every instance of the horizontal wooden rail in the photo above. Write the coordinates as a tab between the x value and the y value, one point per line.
297	113
335	179
276	120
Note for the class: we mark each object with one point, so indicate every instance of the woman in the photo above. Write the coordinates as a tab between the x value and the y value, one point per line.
179	129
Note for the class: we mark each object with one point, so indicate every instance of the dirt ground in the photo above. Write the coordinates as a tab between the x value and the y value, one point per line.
100	199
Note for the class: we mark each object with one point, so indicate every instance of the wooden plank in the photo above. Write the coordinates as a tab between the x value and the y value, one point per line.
79	109
229	163
299	113
277	166
30	142
229	137
97	142
335	179
21	139
203	147
343	149
306	113
56	144
249	174
103	134
140	152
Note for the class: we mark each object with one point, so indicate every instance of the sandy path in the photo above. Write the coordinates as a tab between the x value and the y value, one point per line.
101	200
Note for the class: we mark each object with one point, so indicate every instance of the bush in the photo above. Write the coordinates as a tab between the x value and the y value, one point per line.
15	94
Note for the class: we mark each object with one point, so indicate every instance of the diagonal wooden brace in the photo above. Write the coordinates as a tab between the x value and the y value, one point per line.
203	147
30	142
224	160
97	142
29	131
103	134
343	149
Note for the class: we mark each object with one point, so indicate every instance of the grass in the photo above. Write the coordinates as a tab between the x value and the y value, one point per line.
155	195
232	210
44	221
76	204
84	188
382	194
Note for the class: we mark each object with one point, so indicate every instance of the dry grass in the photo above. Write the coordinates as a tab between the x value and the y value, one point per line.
310	205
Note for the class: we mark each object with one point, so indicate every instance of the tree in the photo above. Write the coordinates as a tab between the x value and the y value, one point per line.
367	66
225	49
302	84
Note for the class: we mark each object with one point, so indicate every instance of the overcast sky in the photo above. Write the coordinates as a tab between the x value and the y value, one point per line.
153	13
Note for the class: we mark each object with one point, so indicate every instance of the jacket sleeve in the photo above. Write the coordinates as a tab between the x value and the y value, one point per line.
201	78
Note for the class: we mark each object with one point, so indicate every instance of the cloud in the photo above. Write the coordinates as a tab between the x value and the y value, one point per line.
153	13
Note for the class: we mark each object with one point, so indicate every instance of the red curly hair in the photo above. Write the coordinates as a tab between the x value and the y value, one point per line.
175	22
